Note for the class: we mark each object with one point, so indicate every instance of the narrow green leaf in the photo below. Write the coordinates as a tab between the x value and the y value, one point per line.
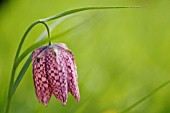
22	72
144	98
85	9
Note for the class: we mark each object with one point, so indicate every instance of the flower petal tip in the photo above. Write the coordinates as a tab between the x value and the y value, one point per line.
64	104
78	100
45	105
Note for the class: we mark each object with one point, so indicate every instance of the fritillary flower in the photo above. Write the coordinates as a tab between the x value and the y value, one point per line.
54	72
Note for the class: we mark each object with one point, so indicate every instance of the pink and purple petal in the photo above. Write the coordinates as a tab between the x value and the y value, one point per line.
36	52
72	76
71	72
57	74
42	88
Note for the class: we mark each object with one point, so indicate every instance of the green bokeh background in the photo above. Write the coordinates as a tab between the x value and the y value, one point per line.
121	54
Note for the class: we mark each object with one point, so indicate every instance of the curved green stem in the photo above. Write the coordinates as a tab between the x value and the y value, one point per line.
10	91
9	97
48	31
19	59
26	33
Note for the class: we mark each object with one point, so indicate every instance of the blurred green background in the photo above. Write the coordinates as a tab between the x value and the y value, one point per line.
121	54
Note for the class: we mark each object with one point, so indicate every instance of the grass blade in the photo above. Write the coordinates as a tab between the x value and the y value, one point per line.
144	98
85	9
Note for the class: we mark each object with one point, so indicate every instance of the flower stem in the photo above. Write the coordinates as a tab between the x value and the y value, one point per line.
48	31
10	91
15	65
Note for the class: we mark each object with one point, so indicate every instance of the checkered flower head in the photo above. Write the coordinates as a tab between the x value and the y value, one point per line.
54	72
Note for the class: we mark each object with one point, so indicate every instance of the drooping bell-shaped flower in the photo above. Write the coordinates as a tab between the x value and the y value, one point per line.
54	71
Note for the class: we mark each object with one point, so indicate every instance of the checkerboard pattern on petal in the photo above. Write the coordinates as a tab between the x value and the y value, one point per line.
54	71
